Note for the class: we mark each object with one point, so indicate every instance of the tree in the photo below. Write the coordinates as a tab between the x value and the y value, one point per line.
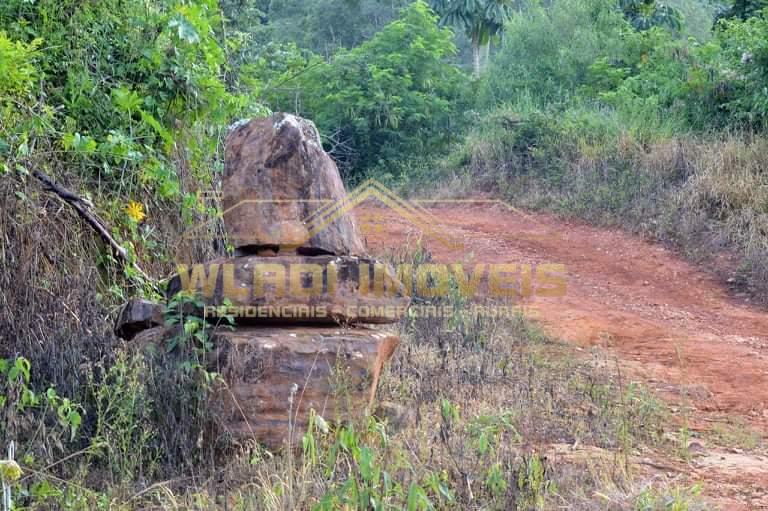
547	51
324	26
392	96
644	14
743	9
481	20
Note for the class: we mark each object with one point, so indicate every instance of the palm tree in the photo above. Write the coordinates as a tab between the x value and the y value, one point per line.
480	19
644	14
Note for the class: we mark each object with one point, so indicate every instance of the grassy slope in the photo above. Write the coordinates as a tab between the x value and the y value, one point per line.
703	194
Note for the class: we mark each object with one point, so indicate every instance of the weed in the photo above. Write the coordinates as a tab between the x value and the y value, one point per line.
736	433
674	499
699	193
123	419
533	484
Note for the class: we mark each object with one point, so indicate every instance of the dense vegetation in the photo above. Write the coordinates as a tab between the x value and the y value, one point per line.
636	112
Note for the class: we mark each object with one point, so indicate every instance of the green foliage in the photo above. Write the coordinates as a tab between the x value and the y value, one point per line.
743	9
717	84
368	482
547	51
656	82
481	20
123	432
177	382
393	95
10	471
697	16
647	87
16	66
127	101
192	335
676	499
171	66
325	26
645	14
533	484
131	95
739	58
18	402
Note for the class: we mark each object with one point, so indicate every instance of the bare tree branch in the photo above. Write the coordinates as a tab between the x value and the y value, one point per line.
82	206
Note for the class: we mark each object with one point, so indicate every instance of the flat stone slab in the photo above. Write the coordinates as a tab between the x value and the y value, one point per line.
295	290
275	376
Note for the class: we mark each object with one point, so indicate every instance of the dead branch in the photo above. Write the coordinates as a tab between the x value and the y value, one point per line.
82	206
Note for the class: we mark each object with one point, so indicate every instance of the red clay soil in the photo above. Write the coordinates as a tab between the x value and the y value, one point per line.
671	325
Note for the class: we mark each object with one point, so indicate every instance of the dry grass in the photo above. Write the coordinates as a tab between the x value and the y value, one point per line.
728	194
707	196
477	413
490	411
500	415
61	290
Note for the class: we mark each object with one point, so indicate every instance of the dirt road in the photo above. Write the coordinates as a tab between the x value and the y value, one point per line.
672	325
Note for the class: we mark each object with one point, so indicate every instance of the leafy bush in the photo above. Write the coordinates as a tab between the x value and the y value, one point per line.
20	406
739	57
324	26
575	52
648	87
130	95
16	66
547	51
391	96
718	84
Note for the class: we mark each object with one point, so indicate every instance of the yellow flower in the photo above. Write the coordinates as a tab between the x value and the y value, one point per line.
135	211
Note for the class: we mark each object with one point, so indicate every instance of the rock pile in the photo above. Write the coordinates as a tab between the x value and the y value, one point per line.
300	288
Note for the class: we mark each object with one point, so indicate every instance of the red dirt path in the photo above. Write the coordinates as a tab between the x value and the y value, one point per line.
672	325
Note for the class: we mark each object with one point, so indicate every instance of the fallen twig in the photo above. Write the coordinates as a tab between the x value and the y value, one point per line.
82	206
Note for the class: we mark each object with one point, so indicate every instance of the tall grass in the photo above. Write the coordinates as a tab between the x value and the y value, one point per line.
705	194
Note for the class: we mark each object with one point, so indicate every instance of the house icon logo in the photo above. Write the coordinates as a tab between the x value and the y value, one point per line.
325	212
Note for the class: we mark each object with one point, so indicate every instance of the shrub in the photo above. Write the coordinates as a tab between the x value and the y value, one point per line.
547	51
393	95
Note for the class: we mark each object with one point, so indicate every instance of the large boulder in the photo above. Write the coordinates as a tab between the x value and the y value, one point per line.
282	192
274	377
294	289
